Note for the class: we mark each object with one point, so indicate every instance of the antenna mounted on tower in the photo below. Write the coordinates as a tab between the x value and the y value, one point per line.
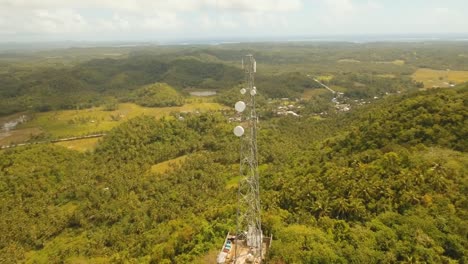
247	245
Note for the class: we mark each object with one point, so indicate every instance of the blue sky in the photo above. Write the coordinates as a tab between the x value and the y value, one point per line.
154	20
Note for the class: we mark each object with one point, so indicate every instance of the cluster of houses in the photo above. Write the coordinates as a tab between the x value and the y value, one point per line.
287	107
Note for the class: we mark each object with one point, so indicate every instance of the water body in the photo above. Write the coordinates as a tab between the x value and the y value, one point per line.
203	93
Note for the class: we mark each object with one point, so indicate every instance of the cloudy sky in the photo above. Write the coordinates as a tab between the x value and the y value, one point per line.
157	20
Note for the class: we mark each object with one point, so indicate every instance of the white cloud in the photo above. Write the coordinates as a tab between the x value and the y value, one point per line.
161	5
42	21
443	19
58	21
340	7
162	22
122	19
374	5
441	11
159	22
67	17
351	16
258	5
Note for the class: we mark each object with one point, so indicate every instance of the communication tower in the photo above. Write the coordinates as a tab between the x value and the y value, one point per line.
248	245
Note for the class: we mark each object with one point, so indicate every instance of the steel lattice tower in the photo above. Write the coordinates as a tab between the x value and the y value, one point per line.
249	227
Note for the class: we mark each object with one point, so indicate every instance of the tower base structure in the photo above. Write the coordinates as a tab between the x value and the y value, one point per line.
237	251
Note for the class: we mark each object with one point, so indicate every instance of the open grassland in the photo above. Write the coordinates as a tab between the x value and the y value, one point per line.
394	62
398	62
311	93
64	239
200	99
81	145
167	165
5	119
17	136
390	76
338	88
325	77
208	258
349	61
87	121
439	78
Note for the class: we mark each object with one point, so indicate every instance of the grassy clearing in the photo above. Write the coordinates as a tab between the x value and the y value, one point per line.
348	61
208	258
394	62
399	62
168	165
324	77
199	99
233	182
390	76
81	122
5	119
439	78
52	248
311	93
338	88
81	145
18	136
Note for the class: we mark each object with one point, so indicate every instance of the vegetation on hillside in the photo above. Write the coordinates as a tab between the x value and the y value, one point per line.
100	81
157	95
82	78
384	184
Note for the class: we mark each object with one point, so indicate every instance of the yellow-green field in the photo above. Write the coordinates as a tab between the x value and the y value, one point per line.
338	88
324	77
18	136
5	119
439	78
311	93
80	122
233	182
208	258
349	61
166	166
395	62
66	123
388	75
81	145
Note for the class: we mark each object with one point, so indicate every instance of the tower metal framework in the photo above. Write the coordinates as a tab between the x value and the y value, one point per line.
248	244
249	226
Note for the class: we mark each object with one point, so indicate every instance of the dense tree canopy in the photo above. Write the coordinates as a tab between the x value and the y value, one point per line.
82	78
157	95
384	184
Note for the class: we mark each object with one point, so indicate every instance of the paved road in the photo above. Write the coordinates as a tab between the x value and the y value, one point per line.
328	88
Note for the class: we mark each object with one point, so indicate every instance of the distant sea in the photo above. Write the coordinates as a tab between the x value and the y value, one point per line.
38	46
329	38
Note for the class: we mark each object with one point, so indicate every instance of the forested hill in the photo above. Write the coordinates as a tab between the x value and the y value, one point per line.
93	82
105	81
384	184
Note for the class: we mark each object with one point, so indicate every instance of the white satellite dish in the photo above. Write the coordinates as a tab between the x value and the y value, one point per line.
240	106
253	92
242	91
239	131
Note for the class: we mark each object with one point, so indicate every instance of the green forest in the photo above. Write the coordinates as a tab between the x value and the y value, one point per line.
384	183
82	78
